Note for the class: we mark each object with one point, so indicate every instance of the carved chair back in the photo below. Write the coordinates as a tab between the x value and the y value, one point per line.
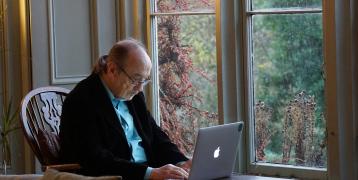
40	120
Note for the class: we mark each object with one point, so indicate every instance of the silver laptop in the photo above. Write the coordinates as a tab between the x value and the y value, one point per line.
215	151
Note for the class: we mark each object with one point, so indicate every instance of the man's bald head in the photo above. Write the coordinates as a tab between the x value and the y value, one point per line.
120	53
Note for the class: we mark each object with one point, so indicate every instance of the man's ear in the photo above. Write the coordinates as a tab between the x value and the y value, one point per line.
111	68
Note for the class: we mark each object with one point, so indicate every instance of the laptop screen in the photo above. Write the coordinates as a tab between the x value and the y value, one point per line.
215	151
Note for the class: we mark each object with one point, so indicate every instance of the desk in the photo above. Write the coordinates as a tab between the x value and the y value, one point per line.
249	177
39	176
51	174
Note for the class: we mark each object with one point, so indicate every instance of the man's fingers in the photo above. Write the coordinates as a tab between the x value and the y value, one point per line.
182	172
169	171
178	172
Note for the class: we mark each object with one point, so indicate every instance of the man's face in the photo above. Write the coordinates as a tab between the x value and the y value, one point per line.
129	80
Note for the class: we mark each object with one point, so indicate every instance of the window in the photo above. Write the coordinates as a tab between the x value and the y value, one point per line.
185	67
282	92
286	87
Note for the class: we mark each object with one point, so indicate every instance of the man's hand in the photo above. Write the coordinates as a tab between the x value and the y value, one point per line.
169	171
185	165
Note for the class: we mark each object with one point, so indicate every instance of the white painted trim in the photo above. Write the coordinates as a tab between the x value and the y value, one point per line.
155	69
279	170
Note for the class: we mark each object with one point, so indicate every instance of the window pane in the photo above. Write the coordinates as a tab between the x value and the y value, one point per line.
289	89
268	4
187	76
165	6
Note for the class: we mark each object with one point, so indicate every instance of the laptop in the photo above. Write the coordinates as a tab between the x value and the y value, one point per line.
215	151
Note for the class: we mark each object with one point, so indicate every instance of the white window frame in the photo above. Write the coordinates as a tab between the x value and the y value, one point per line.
268	169
152	47
233	80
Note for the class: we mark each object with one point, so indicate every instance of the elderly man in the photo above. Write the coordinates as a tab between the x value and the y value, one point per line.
106	127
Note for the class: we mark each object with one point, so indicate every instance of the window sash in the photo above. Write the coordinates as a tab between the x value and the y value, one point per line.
184	13
258	167
284	11
154	88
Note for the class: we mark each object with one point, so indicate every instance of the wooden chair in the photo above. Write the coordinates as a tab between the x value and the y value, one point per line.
40	120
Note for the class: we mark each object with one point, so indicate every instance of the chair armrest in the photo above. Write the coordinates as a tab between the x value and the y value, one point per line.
63	167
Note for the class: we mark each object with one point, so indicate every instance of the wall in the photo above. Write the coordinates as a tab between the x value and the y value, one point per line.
50	42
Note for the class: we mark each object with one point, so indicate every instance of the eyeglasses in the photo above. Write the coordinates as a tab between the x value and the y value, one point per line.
134	81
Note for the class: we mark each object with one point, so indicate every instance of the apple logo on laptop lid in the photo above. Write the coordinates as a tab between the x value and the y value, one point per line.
217	152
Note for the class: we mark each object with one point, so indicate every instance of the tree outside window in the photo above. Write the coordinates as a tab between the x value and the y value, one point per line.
187	63
288	82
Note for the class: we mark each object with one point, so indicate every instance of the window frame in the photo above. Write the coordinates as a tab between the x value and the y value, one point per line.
153	89
268	169
233	80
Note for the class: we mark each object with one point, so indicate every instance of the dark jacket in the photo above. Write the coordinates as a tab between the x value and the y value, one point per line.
91	134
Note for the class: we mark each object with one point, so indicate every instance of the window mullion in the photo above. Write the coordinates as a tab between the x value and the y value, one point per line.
184	13
284	11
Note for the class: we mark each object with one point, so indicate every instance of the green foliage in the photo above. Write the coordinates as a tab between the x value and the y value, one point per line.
288	59
187	71
198	32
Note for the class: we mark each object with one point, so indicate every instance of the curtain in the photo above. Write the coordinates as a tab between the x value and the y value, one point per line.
132	21
347	94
